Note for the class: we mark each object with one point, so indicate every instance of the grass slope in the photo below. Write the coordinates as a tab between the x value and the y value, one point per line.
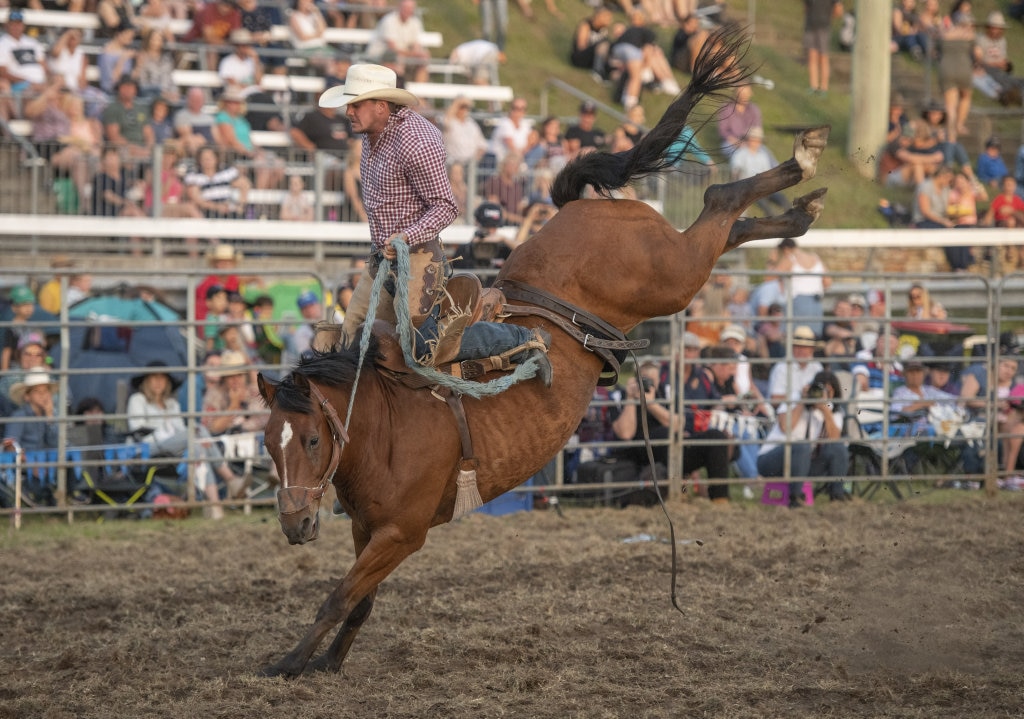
538	50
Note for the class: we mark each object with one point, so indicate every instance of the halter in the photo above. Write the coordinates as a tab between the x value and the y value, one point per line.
292	500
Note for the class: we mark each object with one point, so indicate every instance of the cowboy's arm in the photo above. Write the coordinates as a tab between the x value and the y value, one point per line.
428	177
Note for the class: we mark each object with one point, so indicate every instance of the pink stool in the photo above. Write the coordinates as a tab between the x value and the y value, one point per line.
778	493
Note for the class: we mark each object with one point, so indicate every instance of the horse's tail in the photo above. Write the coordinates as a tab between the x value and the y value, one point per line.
718	67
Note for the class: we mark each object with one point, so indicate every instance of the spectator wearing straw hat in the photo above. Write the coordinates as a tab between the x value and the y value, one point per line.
788	379
241	68
992	66
235	133
224	259
234	403
34	397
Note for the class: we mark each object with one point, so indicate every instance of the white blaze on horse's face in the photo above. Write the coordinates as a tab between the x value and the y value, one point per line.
286	437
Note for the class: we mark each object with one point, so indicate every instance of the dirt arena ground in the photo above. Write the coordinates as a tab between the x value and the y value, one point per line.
910	609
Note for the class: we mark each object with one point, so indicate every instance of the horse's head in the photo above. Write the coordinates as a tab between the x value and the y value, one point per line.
304	436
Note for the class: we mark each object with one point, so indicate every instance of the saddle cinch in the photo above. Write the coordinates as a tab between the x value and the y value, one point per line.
464	302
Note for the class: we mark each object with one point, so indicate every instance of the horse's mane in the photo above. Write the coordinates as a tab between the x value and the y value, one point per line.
718	67
333	367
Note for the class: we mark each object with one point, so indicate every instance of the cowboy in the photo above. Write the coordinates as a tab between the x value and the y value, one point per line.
34	395
408	197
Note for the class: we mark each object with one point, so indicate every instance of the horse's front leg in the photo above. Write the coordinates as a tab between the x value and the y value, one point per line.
352	599
735	197
793	223
332	659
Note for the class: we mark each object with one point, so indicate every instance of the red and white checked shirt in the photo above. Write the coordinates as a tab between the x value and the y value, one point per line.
405	181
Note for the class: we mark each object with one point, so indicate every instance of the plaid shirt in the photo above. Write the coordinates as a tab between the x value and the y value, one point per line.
405	181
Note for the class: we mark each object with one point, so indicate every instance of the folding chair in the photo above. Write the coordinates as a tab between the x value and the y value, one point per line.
247	449
117	480
867	447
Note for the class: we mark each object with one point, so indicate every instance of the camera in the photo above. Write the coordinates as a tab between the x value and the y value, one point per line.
816	391
647	384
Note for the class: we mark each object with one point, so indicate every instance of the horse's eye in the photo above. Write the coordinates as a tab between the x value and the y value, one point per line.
314	442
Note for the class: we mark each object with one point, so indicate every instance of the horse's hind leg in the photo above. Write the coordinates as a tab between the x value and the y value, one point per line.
735	197
793	223
331	660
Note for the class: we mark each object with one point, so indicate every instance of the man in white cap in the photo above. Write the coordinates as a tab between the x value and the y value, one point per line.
407	196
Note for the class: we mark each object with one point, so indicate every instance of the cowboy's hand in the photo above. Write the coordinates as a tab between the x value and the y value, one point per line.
390	253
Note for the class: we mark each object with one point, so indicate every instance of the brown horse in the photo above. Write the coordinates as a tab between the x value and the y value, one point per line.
395	468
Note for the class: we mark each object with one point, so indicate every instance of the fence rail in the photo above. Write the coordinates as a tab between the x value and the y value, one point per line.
1002	313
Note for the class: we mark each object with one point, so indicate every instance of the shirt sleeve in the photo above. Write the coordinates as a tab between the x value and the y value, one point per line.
428	177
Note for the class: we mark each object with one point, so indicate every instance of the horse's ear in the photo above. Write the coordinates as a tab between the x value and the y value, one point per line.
267	388
301	383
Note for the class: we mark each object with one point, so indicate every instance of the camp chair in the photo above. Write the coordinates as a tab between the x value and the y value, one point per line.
114	477
247	449
868	445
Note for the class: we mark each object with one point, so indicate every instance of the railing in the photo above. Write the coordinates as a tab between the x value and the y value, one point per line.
48	200
1002	314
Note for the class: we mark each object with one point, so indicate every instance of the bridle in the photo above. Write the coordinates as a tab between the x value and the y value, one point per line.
292	500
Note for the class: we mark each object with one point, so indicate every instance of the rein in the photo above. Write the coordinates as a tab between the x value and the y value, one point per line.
657	491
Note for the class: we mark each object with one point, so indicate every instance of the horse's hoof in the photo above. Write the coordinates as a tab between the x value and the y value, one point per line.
812	203
807	149
322	664
279	670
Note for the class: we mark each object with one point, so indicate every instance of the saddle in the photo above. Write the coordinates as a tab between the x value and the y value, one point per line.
465	301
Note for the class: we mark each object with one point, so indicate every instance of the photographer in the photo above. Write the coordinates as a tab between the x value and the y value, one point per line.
489	248
699	388
813	417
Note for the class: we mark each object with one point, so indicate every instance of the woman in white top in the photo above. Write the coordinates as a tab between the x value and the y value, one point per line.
154	416
307	26
808	283
464	141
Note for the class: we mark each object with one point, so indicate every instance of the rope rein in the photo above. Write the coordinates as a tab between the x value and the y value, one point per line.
657	490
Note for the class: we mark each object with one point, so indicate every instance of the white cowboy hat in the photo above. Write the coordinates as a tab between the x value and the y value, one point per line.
33	378
367	82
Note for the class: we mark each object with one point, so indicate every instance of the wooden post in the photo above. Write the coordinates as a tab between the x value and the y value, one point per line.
872	66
